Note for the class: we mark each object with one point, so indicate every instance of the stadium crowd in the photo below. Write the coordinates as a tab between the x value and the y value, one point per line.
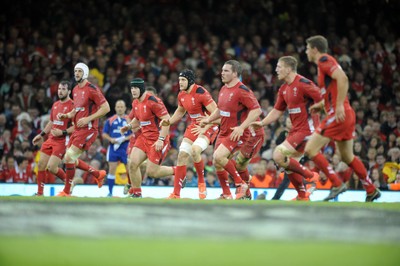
40	43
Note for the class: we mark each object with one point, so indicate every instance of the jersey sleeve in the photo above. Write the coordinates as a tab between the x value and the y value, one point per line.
131	114
180	99
206	98
280	103
248	99
97	96
311	90
52	115
328	65
158	108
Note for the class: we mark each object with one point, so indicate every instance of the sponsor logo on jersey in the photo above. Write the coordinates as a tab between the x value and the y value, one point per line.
194	115
58	122
296	110
224	113
145	123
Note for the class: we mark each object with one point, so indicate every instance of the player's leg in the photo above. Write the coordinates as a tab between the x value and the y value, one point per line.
241	164
41	178
200	145
155	158
71	156
312	151
53	165
286	156
346	150
221	161
136	158
112	168
180	169
98	174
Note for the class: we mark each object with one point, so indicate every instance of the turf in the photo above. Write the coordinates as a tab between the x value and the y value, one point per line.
394	206
130	251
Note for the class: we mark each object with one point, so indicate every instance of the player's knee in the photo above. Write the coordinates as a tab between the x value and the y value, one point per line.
200	144
347	158
196	152
71	156
185	147
133	165
309	153
152	171
42	165
241	163
53	168
218	161
182	157
278	157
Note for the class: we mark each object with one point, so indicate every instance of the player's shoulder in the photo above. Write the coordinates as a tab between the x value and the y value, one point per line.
135	101
153	99
326	58
200	90
243	87
304	80
92	86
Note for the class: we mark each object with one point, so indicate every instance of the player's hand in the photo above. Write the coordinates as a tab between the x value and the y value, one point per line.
164	123
256	124
317	107
83	122
62	116
37	139
56	132
158	145
203	120
198	130
236	134
124	129
340	115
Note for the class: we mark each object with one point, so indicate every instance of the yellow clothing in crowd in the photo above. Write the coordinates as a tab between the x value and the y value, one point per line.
121	178
390	170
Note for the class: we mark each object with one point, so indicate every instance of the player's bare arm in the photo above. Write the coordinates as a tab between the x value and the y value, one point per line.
204	120
318	107
56	132
159	144
133	125
69	115
36	140
237	132
103	110
198	129
342	87
178	114
270	118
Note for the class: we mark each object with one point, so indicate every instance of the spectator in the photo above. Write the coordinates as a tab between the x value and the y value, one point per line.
22	173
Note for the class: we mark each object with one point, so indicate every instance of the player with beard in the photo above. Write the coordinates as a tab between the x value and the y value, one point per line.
237	108
53	149
89	105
